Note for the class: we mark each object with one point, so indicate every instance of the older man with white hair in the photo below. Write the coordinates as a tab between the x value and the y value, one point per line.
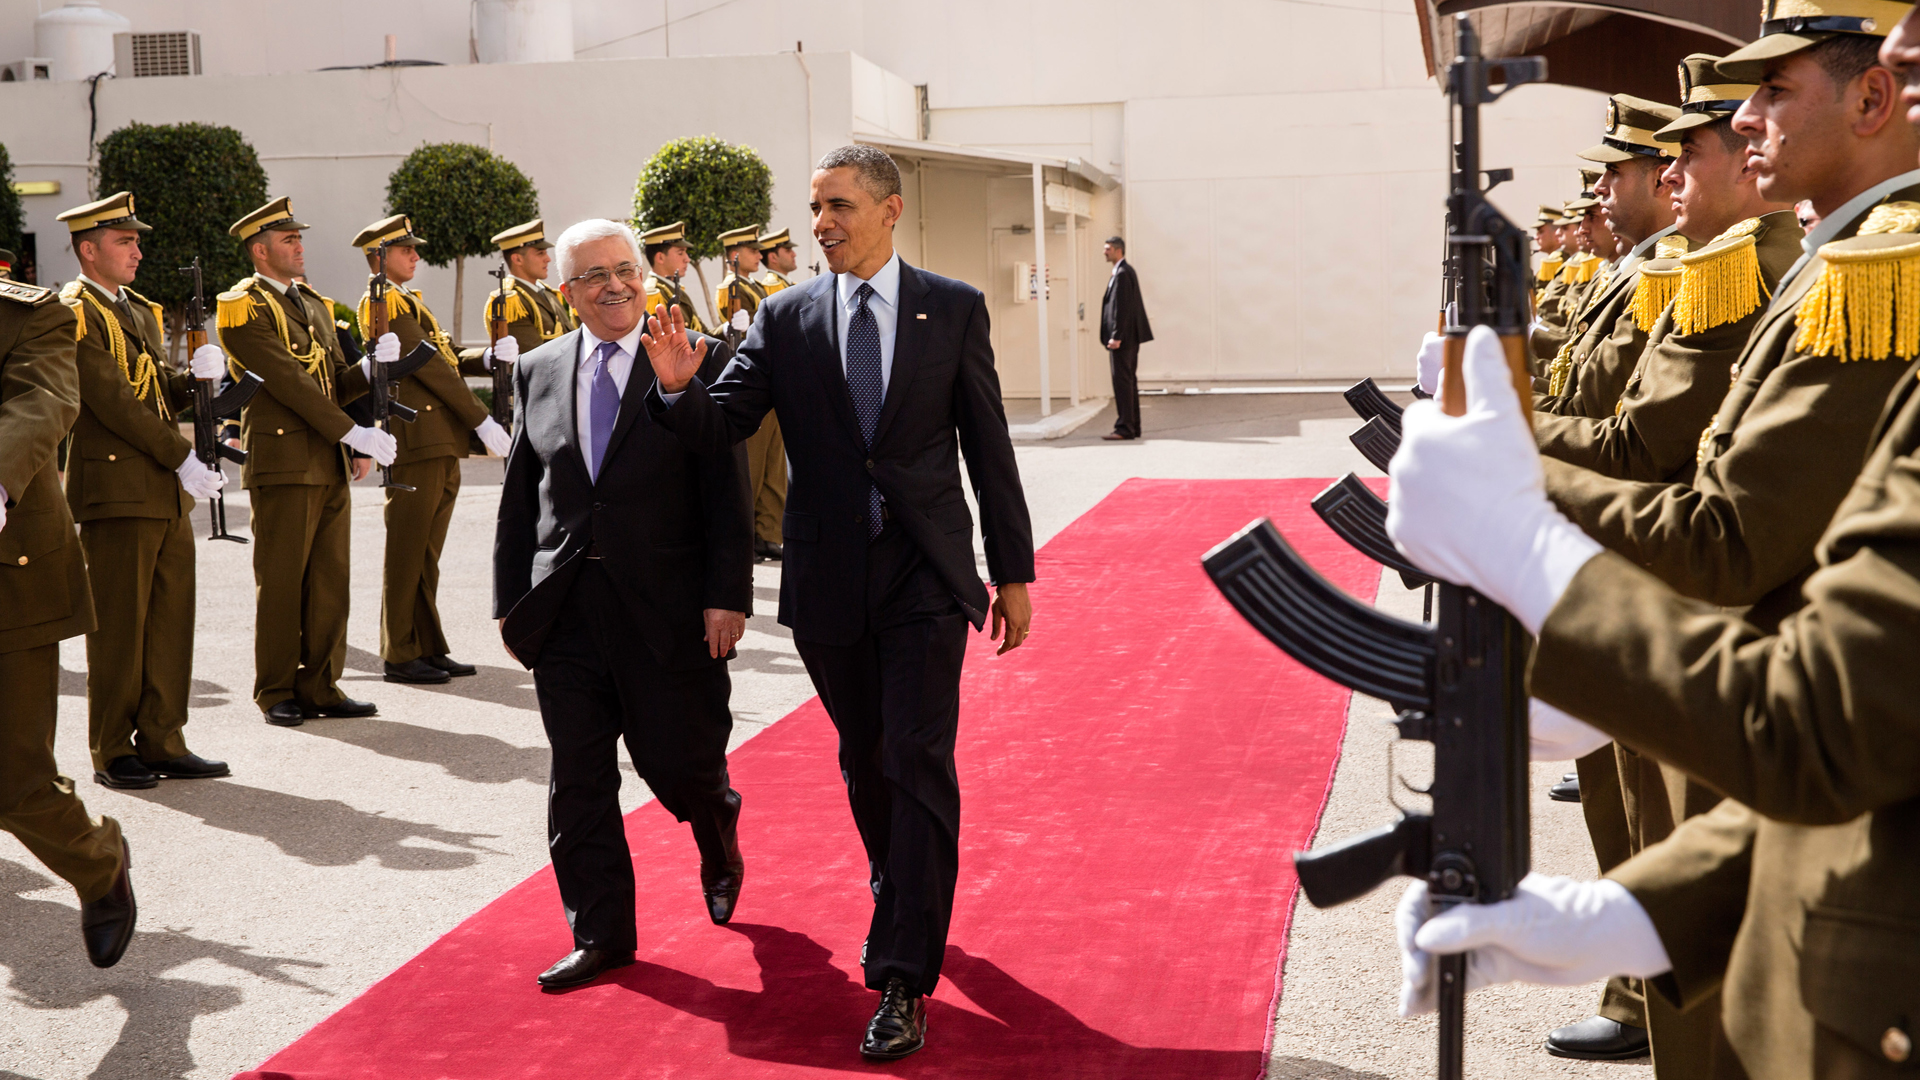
623	572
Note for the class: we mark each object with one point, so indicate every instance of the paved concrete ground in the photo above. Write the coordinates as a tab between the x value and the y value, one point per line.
340	849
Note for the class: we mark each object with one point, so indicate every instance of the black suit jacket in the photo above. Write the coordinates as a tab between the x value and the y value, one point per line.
674	529
943	398
1123	314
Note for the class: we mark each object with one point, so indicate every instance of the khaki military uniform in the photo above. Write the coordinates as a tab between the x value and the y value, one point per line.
1798	898
772	282
737	293
1549	330
766	448
535	313
44	594
1589	373
428	461
663	291
1684	369
135	527
296	475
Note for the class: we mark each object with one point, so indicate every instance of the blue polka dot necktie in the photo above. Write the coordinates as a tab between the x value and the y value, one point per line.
863	383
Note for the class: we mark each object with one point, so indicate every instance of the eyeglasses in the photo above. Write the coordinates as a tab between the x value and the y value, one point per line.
598	277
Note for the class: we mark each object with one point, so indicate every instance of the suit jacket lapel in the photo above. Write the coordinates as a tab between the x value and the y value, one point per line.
908	333
821	326
632	401
566	381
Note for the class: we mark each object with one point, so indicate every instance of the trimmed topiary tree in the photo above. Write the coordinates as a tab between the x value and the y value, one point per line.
190	182
710	184
459	195
13	219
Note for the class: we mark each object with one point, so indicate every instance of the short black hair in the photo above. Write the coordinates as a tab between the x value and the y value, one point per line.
1119	243
1846	57
654	250
1733	141
87	236
877	172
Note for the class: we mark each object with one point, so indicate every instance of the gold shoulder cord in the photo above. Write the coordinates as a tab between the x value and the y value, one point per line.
143	374
313	361
432	326
539	317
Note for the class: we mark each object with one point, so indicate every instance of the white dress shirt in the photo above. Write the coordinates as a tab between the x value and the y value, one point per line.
619	367
116	295
885	306
1830	226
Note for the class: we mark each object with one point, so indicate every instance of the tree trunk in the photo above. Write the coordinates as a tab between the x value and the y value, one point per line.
706	299
459	298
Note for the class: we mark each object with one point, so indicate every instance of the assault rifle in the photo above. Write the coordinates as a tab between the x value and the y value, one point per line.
379	380
1459	683
732	331
502	374
209	409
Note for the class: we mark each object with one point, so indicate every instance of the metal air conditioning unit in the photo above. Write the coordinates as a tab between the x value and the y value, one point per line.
173	52
32	69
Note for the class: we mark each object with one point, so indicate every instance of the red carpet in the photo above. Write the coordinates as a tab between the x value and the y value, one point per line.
1134	779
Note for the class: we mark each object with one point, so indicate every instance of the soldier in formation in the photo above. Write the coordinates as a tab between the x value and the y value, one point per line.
533	311
666	249
1721	584
738	296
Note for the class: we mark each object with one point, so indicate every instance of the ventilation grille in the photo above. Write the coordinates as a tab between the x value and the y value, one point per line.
175	52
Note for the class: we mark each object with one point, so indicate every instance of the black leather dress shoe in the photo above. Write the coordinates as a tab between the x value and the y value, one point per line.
898	1027
1565	791
126	772
189	767
1598	1039
451	666
416	671
767	550
286	714
582	966
106	925
722	894
346	707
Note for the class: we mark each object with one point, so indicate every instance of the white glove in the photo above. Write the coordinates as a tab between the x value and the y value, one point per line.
1554	932
504	351
495	437
199	481
372	442
3	508
1556	736
208	362
386	350
1468	500
741	320
1426	364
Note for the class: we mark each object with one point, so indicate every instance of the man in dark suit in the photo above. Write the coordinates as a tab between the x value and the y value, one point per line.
882	374
622	574
1124	328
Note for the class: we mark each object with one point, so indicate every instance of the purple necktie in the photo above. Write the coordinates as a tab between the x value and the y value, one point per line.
604	408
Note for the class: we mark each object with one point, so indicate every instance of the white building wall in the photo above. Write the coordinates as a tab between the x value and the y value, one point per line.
1282	159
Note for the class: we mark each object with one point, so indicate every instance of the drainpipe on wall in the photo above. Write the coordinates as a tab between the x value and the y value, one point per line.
1040	282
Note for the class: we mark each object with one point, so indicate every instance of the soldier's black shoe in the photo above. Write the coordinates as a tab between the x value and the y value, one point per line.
1565	791
106	925
582	966
127	773
767	549
286	714
415	671
1598	1039
345	707
189	767
451	666
899	1025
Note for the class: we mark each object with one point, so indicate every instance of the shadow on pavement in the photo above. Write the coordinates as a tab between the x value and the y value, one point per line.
320	832
482	759
1299	1068
49	971
512	687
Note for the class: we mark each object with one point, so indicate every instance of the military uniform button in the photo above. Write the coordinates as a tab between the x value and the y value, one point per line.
23	560
279	431
1896	1044
112	457
429	408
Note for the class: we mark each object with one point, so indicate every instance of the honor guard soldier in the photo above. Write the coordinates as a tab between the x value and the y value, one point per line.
44	599
737	292
534	312
767	450
777	258
666	252
412	642
131	481
297	441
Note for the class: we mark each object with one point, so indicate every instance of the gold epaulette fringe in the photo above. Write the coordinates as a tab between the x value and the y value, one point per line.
1719	285
1651	295
79	320
366	309
1550	266
513	309
1671	247
233	309
1865	305
1893	217
1581	268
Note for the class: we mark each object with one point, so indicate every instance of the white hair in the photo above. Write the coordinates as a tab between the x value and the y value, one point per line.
586	232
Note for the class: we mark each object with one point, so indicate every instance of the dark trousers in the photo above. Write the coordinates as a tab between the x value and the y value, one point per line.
597	685
1126	389
894	696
